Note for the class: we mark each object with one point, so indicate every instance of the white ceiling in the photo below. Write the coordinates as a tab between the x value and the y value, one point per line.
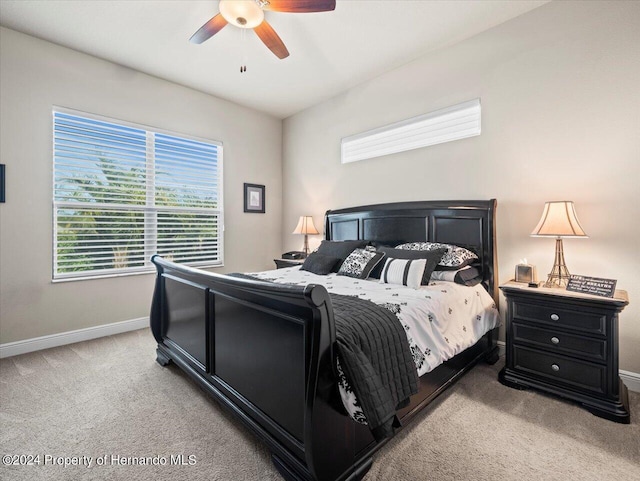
330	52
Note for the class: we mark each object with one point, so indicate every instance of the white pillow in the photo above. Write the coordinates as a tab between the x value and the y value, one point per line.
406	272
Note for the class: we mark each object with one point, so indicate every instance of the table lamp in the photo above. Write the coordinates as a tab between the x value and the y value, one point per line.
558	220
305	226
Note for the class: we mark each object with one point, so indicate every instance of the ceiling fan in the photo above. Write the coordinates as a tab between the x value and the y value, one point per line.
250	14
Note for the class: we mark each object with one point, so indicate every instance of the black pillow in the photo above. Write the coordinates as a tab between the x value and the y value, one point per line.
432	257
467	276
319	264
339	249
469	282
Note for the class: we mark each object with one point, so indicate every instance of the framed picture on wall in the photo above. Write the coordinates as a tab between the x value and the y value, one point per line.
254	198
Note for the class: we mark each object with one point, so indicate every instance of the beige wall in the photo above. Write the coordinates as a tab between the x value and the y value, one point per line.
36	75
560	90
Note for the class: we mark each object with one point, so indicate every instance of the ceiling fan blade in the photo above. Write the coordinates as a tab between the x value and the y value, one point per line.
300	6
209	29
271	39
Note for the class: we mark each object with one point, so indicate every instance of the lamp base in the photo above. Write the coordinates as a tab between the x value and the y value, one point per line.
559	275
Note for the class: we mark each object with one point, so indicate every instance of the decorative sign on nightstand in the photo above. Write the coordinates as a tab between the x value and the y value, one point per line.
592	285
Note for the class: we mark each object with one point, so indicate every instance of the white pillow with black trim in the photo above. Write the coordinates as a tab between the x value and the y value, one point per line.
405	272
360	263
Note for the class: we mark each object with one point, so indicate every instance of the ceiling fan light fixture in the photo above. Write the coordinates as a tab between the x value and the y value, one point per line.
242	13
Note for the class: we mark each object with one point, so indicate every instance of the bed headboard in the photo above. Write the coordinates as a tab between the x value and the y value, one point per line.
469	224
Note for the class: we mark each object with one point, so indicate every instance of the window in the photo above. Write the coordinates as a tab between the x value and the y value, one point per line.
123	192
451	123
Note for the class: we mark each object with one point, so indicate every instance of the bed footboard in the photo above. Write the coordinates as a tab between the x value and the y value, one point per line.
264	351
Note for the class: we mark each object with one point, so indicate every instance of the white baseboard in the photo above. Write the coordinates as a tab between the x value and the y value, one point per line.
502	348
631	379
54	340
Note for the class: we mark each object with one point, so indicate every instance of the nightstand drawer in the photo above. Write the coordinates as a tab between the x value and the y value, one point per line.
561	342
580	374
589	322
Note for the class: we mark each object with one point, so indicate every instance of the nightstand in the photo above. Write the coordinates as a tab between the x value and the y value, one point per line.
282	263
566	343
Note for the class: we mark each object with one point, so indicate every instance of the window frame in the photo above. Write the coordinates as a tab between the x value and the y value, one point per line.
146	208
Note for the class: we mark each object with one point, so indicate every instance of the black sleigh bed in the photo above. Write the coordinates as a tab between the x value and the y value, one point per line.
266	351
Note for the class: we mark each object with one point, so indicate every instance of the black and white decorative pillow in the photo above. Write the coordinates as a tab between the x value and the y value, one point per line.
454	258
405	272
360	263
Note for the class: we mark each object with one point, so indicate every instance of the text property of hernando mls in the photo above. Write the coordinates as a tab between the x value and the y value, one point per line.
104	460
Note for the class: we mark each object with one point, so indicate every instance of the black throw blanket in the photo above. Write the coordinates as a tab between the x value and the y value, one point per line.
375	356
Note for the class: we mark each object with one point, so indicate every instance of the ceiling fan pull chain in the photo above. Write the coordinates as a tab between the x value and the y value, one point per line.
243	50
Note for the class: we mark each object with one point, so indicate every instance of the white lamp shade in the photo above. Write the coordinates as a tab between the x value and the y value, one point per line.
305	226
559	219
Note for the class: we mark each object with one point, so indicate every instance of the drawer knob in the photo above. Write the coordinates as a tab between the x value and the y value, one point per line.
555	340
555	367
555	317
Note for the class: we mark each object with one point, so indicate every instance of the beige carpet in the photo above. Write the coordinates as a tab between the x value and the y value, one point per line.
109	397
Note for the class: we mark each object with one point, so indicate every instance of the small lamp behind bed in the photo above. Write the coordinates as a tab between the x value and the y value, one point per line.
305	226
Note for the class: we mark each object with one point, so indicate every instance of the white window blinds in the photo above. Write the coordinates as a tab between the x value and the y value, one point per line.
451	123
123	193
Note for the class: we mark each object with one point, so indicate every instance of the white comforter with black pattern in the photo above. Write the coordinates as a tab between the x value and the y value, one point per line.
441	319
